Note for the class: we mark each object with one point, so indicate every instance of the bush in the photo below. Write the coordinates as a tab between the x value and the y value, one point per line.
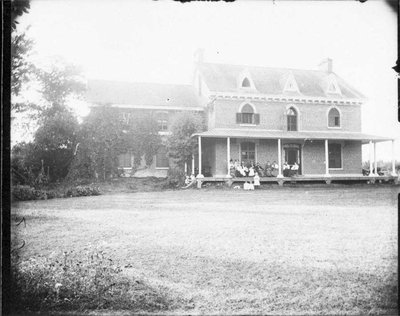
26	193
82	281
82	191
176	176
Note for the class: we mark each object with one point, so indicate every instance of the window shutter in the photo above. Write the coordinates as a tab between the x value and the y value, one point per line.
257	118
238	118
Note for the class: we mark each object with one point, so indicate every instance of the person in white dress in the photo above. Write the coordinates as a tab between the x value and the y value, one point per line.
256	180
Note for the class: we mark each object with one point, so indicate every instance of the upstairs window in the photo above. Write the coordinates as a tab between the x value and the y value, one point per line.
291	115
246	83
334	118
162	121
247	116
125	160
335	156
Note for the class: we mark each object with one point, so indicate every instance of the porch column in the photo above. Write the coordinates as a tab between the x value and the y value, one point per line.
375	161
371	148
199	174
228	155
192	164
393	160
185	168
279	159
327	159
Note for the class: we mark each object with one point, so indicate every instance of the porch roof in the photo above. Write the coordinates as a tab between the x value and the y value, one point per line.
267	134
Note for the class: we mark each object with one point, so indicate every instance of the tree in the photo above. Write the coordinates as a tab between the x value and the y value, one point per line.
18	7
104	135
181	145
55	141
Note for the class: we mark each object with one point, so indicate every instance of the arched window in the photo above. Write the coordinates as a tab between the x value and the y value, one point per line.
333	118
247	115
291	115
246	83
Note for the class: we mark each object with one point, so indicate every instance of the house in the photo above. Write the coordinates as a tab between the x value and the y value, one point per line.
258	114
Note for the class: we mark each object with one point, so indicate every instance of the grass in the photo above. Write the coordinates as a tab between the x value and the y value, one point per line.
295	250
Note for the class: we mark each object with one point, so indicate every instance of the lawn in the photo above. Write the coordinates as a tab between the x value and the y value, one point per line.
301	250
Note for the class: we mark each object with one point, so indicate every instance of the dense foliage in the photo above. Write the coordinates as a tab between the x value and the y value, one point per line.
181	145
104	135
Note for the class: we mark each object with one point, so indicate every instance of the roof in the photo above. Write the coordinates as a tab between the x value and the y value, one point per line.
125	94
271	81
266	134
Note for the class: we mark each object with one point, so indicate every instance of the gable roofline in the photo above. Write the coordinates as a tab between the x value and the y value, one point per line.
268	80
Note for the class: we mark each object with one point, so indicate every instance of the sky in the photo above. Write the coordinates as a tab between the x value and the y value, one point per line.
154	41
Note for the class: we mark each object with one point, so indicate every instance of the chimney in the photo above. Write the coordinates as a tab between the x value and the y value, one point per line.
326	65
199	55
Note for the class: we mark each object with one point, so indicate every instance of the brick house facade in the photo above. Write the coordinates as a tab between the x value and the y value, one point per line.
257	114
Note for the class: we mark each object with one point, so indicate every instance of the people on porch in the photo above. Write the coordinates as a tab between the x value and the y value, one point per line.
268	169
294	170
256	180
258	168
251	171
286	169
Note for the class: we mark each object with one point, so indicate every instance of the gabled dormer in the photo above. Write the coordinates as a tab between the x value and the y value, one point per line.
332	86
244	82
290	84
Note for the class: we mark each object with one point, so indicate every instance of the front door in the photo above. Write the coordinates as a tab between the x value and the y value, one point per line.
292	155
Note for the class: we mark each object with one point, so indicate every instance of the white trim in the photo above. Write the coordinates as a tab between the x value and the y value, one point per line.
280	98
340	117
155	107
162	168
249	103
164	133
247	125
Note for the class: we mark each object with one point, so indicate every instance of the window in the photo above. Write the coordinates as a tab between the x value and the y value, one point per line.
125	160
247	116
335	156
291	119
162	121
334	118
248	151
246	83
162	158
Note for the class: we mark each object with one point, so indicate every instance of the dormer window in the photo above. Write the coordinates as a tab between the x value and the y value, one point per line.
333	86
333	118
247	115
291	84
246	83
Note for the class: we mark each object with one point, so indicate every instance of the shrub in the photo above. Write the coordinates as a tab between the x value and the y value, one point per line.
26	193
84	281
82	191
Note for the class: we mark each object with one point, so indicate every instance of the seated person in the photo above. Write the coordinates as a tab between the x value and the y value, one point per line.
251	186
256	180
268	169
246	186
251	171
286	169
295	169
274	169
258	169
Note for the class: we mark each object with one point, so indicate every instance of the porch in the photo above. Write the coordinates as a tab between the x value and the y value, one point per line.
334	178
311	150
